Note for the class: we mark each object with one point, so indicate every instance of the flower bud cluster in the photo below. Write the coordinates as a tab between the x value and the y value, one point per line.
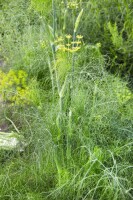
70	45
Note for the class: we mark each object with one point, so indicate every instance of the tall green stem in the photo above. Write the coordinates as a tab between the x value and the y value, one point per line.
54	17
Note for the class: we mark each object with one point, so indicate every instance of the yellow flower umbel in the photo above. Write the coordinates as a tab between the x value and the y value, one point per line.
14	88
76	45
98	45
74	49
72	5
79	37
68	36
124	95
69	46
59	40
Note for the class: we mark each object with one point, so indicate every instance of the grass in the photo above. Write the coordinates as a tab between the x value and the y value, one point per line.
78	130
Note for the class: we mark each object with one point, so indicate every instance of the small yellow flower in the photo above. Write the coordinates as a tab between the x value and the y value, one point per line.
72	5
98	45
59	39
68	45
74	49
79	36
68	36
76	42
61	46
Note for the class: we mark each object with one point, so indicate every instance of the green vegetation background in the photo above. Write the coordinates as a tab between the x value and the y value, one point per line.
66	84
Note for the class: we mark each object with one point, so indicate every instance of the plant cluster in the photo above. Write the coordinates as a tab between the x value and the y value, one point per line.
14	88
75	116
70	46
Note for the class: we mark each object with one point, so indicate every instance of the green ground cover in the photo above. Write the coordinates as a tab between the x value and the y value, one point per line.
66	89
